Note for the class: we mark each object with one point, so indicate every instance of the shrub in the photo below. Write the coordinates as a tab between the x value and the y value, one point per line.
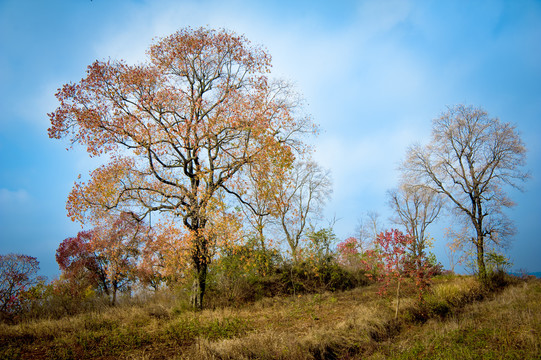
17	274
232	283
242	273
304	277
448	297
59	298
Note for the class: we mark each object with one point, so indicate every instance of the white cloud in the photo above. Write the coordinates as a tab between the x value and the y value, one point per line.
130	38
9	198
368	163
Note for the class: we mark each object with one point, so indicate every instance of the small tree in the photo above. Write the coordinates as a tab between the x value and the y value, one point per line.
393	260
263	181
320	243
116	244
151	269
458	248
369	225
497	262
348	252
18	273
392	249
165	255
451	253
79	265
105	256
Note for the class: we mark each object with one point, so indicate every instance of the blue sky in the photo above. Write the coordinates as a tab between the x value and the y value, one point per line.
374	74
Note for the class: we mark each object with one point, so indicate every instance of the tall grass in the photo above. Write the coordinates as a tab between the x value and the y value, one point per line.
357	323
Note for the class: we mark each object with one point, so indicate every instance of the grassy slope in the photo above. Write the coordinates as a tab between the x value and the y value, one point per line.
353	324
506	326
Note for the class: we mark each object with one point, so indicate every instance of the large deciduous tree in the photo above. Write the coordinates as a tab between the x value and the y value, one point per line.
471	158
178	129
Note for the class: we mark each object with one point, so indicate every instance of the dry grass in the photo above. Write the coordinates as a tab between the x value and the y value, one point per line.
342	325
506	326
317	326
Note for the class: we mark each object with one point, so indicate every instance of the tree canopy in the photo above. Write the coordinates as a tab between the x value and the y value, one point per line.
179	129
470	159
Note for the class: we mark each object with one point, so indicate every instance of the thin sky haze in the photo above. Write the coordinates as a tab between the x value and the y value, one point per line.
373	73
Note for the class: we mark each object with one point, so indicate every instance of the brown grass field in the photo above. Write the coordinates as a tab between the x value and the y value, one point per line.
457	320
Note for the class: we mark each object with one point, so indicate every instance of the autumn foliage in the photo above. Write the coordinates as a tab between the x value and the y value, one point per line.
392	263
18	273
78	263
205	178
348	252
180	130
105	258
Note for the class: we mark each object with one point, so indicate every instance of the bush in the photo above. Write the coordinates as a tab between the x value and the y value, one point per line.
60	298
306	277
500	279
447	297
232	281
243	273
17	274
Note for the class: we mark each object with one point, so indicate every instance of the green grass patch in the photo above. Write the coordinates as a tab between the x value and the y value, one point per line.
504	326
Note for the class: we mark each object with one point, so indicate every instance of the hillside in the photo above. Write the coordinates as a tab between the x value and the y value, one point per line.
457	320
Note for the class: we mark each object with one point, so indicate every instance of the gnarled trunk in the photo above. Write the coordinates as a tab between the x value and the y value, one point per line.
198	287
201	260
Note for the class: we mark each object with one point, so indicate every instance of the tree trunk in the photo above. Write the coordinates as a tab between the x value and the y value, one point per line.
482	272
397	299
201	260
260	228
115	288
198	287
294	254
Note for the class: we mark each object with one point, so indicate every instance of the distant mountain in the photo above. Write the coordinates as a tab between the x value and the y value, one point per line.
537	274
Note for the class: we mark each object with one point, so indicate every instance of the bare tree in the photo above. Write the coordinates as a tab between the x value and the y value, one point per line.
470	159
374	225
415	208
368	227
260	194
301	195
